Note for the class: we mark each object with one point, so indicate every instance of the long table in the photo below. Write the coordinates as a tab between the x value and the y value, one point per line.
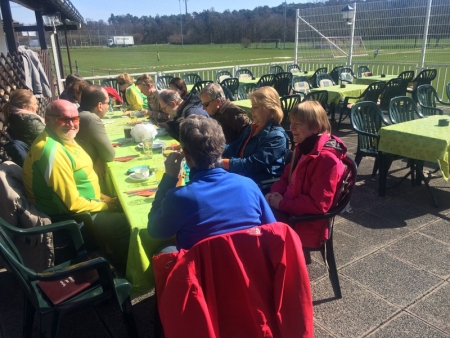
337	94
139	272
367	80
421	140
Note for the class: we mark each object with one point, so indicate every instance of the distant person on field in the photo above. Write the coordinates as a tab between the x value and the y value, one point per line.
157	56
375	53
92	135
178	109
232	118
135	99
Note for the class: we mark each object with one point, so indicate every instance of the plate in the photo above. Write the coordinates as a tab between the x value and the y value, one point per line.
134	178
156	145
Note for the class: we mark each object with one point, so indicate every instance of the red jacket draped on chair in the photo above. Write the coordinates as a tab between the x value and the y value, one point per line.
248	283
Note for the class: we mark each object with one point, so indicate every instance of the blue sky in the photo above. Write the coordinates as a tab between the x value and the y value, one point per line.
102	9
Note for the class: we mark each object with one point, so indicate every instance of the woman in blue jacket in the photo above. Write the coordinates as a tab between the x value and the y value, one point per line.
259	153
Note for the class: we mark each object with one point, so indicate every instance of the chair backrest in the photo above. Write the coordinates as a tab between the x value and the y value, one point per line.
294	68
322	70
245	89
232	83
320	96
275	69
335	73
111	82
283	83
361	70
406	77
228	94
346	75
191	78
424	77
263	256
300	84
287	103
447	90
324	80
367	119
427	98
163	81
402	109
266	80
222	75
244	73
345	187
199	86
373	92
392	89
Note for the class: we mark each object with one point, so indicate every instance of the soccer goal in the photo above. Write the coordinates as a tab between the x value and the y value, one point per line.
337	44
270	43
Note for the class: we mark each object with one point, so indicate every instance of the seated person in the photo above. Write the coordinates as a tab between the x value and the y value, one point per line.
260	151
135	99
92	135
178	109
59	178
147	87
69	80
74	90
177	84
21	118
213	201
232	118
309	182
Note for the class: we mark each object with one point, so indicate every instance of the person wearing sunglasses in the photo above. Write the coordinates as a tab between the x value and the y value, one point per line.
232	118
92	135
59	178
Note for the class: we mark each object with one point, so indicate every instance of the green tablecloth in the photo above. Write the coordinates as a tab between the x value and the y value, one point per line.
420	139
189	87
336	93
367	80
249	80
136	208
244	104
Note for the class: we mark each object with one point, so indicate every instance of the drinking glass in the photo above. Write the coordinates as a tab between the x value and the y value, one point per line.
159	170
124	107
147	145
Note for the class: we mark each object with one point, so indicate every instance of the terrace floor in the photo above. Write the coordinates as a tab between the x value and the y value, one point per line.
393	256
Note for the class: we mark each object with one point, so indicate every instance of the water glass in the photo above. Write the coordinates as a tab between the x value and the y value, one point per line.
159	171
124	107
147	146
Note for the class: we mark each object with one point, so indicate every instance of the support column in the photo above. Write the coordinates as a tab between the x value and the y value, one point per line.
40	30
8	26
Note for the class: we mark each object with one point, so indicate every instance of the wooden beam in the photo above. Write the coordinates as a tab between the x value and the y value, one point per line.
8	26
40	30
46	28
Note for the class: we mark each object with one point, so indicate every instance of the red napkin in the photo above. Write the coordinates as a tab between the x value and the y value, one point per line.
115	144
125	158
146	192
173	146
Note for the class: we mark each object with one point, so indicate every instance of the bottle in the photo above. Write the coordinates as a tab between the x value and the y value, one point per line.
187	171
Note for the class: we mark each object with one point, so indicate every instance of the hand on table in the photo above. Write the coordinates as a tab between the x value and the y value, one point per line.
274	199
173	164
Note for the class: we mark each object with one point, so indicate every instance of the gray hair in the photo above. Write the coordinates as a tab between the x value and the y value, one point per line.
214	91
203	140
168	95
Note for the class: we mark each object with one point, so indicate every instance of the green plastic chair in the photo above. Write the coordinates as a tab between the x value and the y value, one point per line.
300	84
428	99
372	93
335	73
191	78
111	82
232	83
245	72
447	89
322	70
406	77
245	89
163	81
392	89
346	75
228	94
324	80
362	70
402	109
288	102
108	287
367	119
199	86
275	69
294	68
424	77
222	75
283	83
266	80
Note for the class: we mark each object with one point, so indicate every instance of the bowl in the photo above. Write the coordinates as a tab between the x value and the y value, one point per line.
142	173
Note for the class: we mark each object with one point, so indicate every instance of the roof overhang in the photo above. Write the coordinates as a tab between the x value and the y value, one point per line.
66	10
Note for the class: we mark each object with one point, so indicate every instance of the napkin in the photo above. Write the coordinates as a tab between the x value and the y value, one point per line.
173	146
146	192
125	158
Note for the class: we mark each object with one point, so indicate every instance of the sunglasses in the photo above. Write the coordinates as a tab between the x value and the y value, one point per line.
206	104
66	120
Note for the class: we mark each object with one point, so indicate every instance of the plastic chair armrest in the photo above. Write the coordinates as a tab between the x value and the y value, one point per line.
310	217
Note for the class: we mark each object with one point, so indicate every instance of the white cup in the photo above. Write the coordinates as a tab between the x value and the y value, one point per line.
142	173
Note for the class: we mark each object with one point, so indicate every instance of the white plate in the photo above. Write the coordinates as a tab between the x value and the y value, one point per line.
156	145
134	178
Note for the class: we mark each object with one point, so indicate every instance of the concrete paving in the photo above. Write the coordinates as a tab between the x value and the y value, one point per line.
393	257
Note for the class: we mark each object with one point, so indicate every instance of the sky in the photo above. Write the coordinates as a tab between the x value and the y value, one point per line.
102	9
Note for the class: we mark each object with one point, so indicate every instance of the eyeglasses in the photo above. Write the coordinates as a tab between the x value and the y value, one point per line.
65	120
163	108
206	104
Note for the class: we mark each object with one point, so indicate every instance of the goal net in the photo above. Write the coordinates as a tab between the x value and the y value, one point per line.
337	44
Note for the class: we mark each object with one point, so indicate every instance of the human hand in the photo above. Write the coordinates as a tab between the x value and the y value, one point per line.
110	201
274	199
173	164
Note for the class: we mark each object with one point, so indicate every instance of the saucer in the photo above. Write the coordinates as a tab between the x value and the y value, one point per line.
156	145
134	178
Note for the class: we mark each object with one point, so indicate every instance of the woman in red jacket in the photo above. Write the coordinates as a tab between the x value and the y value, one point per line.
309	182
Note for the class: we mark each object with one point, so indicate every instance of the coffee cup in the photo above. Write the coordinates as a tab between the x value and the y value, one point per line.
383	75
443	122
127	132
342	85
142	173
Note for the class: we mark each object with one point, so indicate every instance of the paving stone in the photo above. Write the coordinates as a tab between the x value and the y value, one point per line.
357	312
321	333
392	279
348	248
423	252
434	308
405	325
439	230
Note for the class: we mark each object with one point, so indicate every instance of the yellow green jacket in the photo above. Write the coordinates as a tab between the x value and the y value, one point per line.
135	99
